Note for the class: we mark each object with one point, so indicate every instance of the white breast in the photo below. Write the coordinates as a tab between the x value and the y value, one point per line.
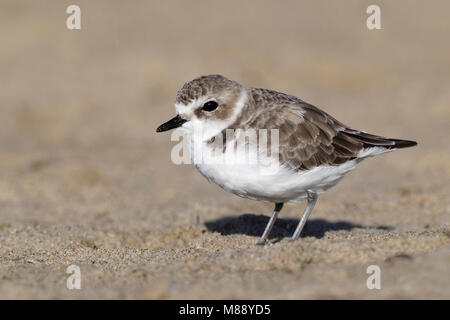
267	180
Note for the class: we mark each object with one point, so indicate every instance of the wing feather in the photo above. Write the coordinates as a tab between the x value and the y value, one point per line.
310	137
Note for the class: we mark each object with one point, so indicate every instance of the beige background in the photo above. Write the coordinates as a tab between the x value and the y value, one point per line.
85	180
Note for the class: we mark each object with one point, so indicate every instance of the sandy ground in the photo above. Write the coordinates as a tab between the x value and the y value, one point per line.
85	180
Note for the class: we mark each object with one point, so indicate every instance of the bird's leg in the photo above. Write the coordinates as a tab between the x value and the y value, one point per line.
312	198
278	207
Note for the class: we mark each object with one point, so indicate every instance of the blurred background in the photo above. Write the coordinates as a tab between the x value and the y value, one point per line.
85	180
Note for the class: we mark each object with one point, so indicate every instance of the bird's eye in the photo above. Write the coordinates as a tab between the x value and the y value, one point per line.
210	106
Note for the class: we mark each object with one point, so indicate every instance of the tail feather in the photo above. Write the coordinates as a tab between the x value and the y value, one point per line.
369	140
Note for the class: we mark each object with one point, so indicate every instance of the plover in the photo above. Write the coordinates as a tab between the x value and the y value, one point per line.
314	153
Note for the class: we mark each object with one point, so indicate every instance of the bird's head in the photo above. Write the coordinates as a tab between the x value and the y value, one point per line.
209	103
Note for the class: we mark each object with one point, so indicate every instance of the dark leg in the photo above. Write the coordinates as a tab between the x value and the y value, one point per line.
312	198
278	207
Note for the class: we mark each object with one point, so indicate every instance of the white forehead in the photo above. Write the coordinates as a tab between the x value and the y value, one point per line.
188	109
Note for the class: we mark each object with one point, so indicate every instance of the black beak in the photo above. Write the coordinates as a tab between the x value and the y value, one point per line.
171	124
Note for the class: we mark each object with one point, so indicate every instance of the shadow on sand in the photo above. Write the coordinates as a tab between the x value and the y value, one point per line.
253	225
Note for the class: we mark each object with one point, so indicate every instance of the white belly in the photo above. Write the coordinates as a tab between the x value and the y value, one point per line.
267	180
253	181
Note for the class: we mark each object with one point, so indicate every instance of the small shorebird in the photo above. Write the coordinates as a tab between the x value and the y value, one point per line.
314	150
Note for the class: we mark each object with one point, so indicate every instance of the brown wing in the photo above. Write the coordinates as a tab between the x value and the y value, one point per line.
310	137
314	139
